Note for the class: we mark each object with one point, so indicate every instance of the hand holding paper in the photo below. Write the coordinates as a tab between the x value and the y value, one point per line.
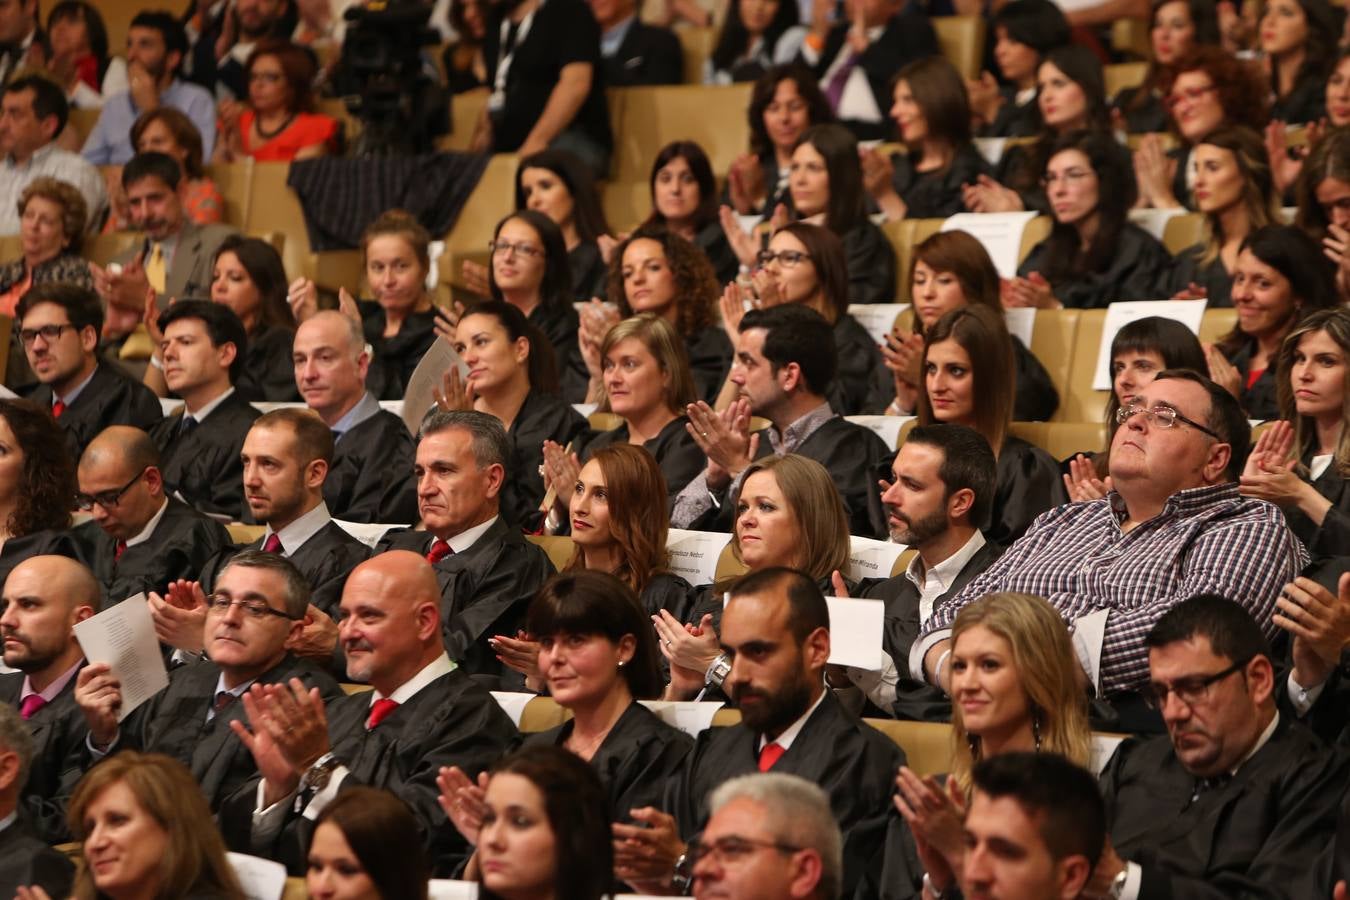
123	639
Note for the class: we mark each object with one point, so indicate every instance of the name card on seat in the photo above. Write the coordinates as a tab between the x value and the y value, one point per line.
690	716
877	318
855	632
868	558
513	703
261	879
694	554
446	889
886	427
1118	315
1000	233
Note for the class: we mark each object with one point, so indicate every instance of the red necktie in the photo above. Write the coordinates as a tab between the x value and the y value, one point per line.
439	551
118	549
770	755
31	704
57	408
272	544
379	711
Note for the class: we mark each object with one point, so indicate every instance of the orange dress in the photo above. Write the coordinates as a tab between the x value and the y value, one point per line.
306	130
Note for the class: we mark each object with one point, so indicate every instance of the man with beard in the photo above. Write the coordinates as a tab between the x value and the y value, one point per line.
156	44
776	633
43	599
942	488
253	21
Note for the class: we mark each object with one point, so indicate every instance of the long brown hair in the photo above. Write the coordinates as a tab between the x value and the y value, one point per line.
383	836
696	288
813	500
982	333
1336	323
634	487
47	485
1258	186
966	259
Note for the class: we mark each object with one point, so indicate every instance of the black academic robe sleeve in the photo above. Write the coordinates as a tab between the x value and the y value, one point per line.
849	452
710	353
110	398
395	357
862	384
58	730
1307	102
40	543
871	264
1018	170
1036	398
679	455
1012	119
269	371
1142	115
1187	269
712	240
1259	399
936	194
559	323
325	560
1029	483
371	479
26	860
588	270
203	465
1140	269
670	592
542	417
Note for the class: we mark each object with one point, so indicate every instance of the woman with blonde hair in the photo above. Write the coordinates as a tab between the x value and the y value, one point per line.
1014	687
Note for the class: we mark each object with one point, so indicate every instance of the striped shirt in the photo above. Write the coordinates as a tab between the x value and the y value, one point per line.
1205	540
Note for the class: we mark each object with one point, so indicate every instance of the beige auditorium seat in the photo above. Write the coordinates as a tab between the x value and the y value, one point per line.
1216	324
697	44
1052	340
1120	76
465	111
1080	403
1062	439
558	547
626	203
1183	231
493	197
961	39
245	534
645	119
235	183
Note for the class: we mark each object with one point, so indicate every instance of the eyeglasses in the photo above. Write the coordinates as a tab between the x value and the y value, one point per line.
49	333
254	609
1162	416
1071	176
1190	95
107	499
1189	691
502	248
732	850
785	258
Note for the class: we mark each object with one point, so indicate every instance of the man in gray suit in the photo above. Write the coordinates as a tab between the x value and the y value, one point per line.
175	258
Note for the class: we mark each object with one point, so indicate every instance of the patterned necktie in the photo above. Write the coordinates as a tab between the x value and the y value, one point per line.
30	705
439	551
770	755
379	711
154	267
57	408
272	544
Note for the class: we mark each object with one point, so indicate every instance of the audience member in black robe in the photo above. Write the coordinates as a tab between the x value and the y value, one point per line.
42	602
1023	32
1281	278
257	608
781	694
425	712
268	373
512	375
370	479
59	327
249	278
203	351
25	859
1237	799
39	482
1094	256
632	52
1300	56
684	201
1177	27
486	570
286	457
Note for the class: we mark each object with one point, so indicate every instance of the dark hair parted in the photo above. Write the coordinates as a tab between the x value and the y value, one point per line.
1039	24
1324	26
555	291
734	40
587	602
1062	798
983	334
1204	16
541	365
48	99
47	485
170	30
1230	629
1243	90
696	288
1299	259
966	259
1066	259
81	304
221	324
152	164
968	463
807	607
826	250
940	93
847	206
818	109
1175	344
1084	68
1258	186
588	214
95	30
797	334
383	834
1225	418
699	166
185	135
263	265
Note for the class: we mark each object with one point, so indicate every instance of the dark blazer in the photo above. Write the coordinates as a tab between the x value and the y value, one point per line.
189	274
269	372
634	761
182	543
325	560
58	731
110	398
203	465
395	357
1251	837
1013	120
1329	543
484	592
855	765
25	860
451	722
871	264
542	417
371	479
678	454
918	700
1140	269
648	55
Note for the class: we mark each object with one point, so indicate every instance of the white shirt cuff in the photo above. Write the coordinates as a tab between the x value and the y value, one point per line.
919	649
322	798
1303	698
268	822
1133	882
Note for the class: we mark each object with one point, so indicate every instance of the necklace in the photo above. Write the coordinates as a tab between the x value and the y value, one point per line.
268	135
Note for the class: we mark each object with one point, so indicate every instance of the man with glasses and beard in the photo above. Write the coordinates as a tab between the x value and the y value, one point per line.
776	635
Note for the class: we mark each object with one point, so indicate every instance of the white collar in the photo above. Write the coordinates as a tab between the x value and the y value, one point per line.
947	570
1260	742
790	733
208	407
441	665
466	538
150	526
295	535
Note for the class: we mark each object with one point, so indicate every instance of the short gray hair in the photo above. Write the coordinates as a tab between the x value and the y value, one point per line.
490	444
297	588
797	812
15	737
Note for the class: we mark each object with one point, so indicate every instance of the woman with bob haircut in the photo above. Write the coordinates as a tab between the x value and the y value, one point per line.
684	201
932	113
1094	255
951	270
968	380
1024	32
147	832
755	36
1177	27
366	846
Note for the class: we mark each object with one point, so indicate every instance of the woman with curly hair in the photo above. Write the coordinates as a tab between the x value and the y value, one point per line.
52	217
37	485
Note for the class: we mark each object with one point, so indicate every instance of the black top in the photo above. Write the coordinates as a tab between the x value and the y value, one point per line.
1259	400
589	272
937	194
1331	539
648	55
202	464
1029	483
1212	276
1036	397
269	371
1017	170
395	357
371	478
39	543
111	397
1139	270
670	592
542	417
1307	102
559	323
563	32
1012	119
58	729
1150	116
862	384
678	454
710	353
871	264
26	860
712	240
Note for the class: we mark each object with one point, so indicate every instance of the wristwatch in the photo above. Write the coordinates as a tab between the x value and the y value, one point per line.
718	671
318	775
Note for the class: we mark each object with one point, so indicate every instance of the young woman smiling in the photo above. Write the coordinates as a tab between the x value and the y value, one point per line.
684	201
530	271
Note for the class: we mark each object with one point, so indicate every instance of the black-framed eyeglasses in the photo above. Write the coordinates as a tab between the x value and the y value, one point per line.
107	499
1162	416
1189	691
732	849
254	609
785	258
49	333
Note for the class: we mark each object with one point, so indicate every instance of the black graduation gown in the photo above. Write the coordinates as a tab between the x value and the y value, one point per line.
39	543
183	542
325	560
1251	837
712	240
1029	483
862	384
852	762
203	465
484	592
918	700
1260	400
634	761
670	592
559	324
542	417
678	454
710	354
1140	269
1212	276
1020	171
936	194
589	272
26	860
269	371
395	357
1307	102
58	731
371	479
1035	398
110	398
453	721
1329	542
1148	117
871	264
1012	119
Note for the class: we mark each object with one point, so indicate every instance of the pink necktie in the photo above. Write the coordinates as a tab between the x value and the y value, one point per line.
272	544
30	705
379	711
770	755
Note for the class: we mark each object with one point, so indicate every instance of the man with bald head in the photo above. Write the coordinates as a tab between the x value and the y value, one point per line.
139	540
43	599
370	479
423	713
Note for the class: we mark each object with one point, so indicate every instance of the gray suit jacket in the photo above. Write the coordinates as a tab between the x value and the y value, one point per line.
189	275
